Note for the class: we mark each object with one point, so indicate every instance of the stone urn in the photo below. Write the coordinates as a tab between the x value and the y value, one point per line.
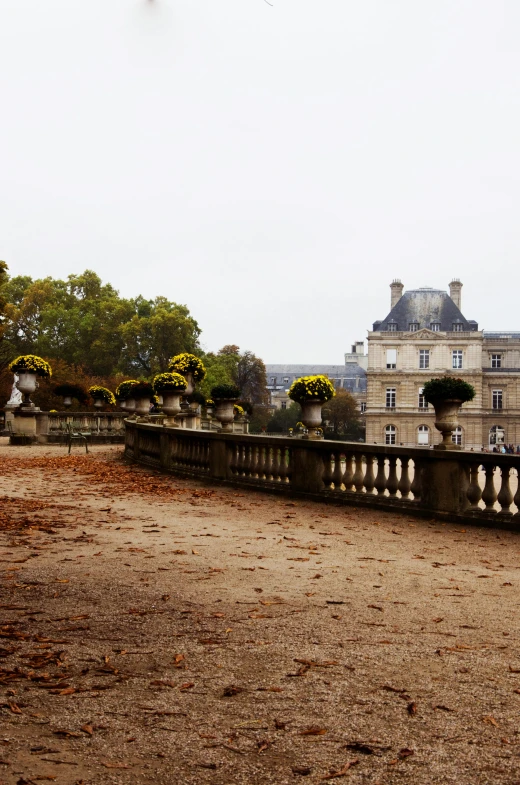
446	420
311	417
67	401
191	384
27	385
130	405
142	406
98	402
122	404
171	406
225	413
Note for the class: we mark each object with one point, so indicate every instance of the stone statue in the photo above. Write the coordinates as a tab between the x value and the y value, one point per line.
16	396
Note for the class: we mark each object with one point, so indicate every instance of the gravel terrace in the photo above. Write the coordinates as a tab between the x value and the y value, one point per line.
154	630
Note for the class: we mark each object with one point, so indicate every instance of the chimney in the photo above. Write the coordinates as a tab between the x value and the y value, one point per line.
396	288
456	292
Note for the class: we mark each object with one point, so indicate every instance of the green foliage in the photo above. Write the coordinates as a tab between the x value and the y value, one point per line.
225	392
31	362
169	382
448	388
71	390
307	388
97	392
342	415
197	397
283	419
188	363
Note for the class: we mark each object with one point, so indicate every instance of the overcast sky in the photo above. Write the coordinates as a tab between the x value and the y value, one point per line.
273	168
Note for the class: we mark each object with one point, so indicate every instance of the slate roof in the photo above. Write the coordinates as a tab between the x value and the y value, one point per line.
354	378
422	307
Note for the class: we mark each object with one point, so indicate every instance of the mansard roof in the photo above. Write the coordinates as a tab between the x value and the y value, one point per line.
424	307
353	376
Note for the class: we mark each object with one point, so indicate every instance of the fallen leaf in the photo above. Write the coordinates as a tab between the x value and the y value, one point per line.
341	772
313	731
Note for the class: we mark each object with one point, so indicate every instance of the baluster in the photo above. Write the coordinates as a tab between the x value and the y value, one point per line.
269	458
380	483
261	462
255	460
349	472
516	500
505	497
474	492
392	483
246	468
417	481
337	475
235	459
284	468
489	494
405	485
358	474
276	464
369	480
328	474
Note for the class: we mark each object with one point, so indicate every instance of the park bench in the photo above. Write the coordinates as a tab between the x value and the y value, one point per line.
75	432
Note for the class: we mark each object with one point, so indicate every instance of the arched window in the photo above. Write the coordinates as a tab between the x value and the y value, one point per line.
390	432
423	434
456	436
497	435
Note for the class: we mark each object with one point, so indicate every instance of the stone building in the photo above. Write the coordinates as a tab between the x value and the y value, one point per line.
351	377
426	335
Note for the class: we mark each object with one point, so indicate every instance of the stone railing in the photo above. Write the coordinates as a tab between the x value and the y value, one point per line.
465	486
103	427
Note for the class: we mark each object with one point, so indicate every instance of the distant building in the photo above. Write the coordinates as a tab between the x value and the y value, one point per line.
351	377
425	335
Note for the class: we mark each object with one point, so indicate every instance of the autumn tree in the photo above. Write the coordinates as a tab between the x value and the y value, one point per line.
343	415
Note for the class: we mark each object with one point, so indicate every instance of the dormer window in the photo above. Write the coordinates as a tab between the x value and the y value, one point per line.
392	327
413	327
435	327
458	327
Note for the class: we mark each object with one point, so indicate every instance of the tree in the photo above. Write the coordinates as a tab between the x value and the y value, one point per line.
343	415
251	378
3	302
283	419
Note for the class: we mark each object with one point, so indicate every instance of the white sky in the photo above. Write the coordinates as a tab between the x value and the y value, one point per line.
273	168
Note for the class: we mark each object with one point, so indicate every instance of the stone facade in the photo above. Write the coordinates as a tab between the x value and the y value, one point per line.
425	335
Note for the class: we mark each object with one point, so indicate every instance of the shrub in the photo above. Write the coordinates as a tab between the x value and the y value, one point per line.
169	382
225	391
188	363
71	390
31	362
197	397
142	390
102	393
448	388
309	388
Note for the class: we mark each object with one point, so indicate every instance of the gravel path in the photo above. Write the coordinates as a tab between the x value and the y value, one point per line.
156	631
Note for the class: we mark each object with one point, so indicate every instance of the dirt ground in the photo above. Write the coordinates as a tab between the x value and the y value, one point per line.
154	630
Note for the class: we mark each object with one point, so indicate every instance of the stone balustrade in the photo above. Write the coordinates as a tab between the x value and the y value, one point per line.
472	487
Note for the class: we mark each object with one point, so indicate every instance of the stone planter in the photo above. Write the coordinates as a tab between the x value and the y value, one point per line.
67	401
130	404
98	402
122	405
27	385
311	417
225	414
191	384
142	406
446	420
171	406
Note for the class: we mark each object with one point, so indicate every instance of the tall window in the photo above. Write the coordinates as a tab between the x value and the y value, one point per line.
435	327
284	404
390	397
286	380
391	358
496	399
497	435
363	406
456	436
423	403
390	434
424	358
413	327
423	434
456	358
458	327
496	361
392	327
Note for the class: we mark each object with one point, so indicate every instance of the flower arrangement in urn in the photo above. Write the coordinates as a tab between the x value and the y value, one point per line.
311	392
143	393
101	395
171	386
225	397
28	367
447	394
68	391
190	366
